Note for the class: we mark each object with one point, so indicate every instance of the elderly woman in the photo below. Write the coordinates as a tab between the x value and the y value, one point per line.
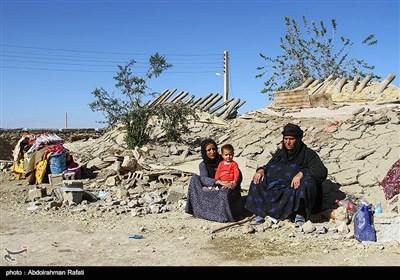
224	201
288	186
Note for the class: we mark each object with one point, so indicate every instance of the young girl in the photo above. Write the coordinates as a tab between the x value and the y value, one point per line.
228	169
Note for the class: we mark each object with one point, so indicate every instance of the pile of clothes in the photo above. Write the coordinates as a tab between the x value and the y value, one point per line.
37	155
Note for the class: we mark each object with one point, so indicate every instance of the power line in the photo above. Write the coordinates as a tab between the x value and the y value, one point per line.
94	71
57	58
181	63
92	65
83	58
68	50
58	55
103	52
61	63
49	69
88	60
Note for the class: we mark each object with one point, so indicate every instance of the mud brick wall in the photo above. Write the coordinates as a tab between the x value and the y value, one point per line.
10	137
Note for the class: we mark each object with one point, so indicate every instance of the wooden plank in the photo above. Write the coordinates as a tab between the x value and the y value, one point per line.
177	96
165	98
180	97
221	105
229	110
200	104
155	100
216	98
208	101
385	83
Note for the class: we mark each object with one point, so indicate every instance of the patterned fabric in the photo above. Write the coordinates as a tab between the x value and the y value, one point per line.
221	205
391	182
216	205
275	197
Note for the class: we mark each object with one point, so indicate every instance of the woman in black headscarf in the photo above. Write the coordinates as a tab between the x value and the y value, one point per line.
221	204
289	185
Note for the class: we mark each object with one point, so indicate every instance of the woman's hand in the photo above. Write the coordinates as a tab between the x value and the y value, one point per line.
296	180
228	184
231	185
258	176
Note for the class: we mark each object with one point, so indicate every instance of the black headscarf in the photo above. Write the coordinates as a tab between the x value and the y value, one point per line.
298	153
292	130
211	164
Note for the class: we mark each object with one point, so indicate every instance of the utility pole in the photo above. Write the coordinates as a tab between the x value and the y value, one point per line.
226	76
66	120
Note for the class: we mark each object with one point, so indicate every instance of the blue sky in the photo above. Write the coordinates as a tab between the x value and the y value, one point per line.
55	53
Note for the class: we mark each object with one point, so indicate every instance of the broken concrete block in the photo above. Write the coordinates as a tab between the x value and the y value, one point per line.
167	179
116	166
138	175
36	193
121	192
72	195
55	179
176	193
129	163
69	176
112	181
72	184
292	98
55	204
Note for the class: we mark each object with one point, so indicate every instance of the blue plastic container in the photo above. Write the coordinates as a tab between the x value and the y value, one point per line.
58	163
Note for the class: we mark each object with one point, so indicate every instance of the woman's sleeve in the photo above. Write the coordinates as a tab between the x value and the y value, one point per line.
314	166
274	158
218	172
204	177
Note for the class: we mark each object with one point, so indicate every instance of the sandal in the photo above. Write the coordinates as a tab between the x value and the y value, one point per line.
258	221
299	220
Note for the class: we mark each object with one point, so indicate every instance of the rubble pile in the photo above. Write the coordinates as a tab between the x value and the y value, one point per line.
358	149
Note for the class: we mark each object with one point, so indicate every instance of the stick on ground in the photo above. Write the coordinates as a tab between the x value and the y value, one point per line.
236	223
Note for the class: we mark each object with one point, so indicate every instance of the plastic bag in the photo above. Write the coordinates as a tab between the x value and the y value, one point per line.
363	224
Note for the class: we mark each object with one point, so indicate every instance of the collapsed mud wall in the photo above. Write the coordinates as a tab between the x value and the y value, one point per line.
9	137
315	93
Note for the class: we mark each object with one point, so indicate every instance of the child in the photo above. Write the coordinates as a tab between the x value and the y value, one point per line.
228	169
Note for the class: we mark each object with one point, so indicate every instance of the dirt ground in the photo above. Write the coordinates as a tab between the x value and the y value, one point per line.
68	238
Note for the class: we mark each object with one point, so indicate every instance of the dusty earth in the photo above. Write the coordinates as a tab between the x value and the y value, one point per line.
95	239
57	238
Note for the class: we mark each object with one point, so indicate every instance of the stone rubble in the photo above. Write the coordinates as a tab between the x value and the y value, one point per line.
358	149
